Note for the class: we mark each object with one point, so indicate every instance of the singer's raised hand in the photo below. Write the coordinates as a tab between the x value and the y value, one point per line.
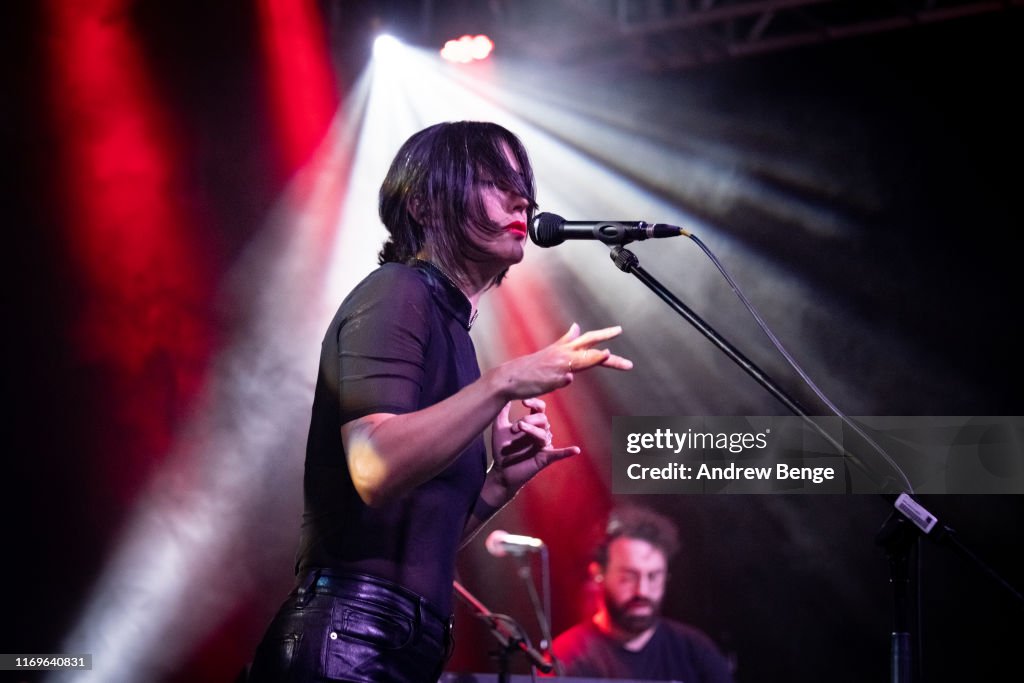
555	366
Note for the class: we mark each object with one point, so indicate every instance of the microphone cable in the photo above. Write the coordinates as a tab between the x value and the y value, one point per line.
793	363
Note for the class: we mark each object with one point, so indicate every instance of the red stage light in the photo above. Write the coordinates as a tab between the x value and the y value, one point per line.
138	254
299	75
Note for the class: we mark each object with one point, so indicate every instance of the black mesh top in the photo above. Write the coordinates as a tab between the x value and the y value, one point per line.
398	343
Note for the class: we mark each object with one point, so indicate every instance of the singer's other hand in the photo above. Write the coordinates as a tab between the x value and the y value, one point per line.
523	448
555	366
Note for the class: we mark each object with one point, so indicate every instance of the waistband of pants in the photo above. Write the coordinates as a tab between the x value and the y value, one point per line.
342	583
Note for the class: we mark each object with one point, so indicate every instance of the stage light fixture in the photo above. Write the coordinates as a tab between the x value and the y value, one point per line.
467	49
385	45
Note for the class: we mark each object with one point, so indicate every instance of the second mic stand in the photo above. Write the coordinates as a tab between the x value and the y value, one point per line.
508	634
542	611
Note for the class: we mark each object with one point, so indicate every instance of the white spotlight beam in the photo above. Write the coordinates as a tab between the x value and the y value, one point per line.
193	548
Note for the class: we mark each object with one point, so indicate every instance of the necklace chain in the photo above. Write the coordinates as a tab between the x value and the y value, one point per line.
451	280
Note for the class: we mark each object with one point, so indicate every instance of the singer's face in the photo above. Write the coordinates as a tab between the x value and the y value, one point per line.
634	584
507	212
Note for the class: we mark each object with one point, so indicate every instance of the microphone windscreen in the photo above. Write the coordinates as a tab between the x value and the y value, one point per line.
494	543
545	229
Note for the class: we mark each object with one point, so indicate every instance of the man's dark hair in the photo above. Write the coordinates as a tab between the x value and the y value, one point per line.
642	523
431	194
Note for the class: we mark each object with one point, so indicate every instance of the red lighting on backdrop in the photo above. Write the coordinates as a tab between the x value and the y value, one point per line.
299	75
141	271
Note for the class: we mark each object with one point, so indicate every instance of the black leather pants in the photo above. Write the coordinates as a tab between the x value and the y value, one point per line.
352	627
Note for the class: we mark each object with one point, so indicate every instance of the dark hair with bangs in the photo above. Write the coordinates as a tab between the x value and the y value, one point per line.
430	196
642	523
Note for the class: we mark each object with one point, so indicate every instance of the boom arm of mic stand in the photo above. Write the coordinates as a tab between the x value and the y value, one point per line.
510	638
627	262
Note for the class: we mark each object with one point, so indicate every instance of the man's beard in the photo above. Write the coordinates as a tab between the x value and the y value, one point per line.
633	624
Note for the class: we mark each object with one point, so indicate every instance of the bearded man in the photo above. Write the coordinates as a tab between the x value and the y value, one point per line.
627	638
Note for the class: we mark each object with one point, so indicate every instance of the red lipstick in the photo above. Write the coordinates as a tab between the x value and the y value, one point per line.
517	227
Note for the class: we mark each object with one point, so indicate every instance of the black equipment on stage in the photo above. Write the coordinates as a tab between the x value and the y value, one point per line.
493	678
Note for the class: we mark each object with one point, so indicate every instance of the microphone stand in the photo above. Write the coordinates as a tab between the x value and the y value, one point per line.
899	542
542	612
899	535
627	261
508	634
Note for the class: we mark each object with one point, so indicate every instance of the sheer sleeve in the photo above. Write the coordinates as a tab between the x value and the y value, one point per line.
381	345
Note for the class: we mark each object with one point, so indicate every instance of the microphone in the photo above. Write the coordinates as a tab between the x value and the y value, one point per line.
549	230
501	543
